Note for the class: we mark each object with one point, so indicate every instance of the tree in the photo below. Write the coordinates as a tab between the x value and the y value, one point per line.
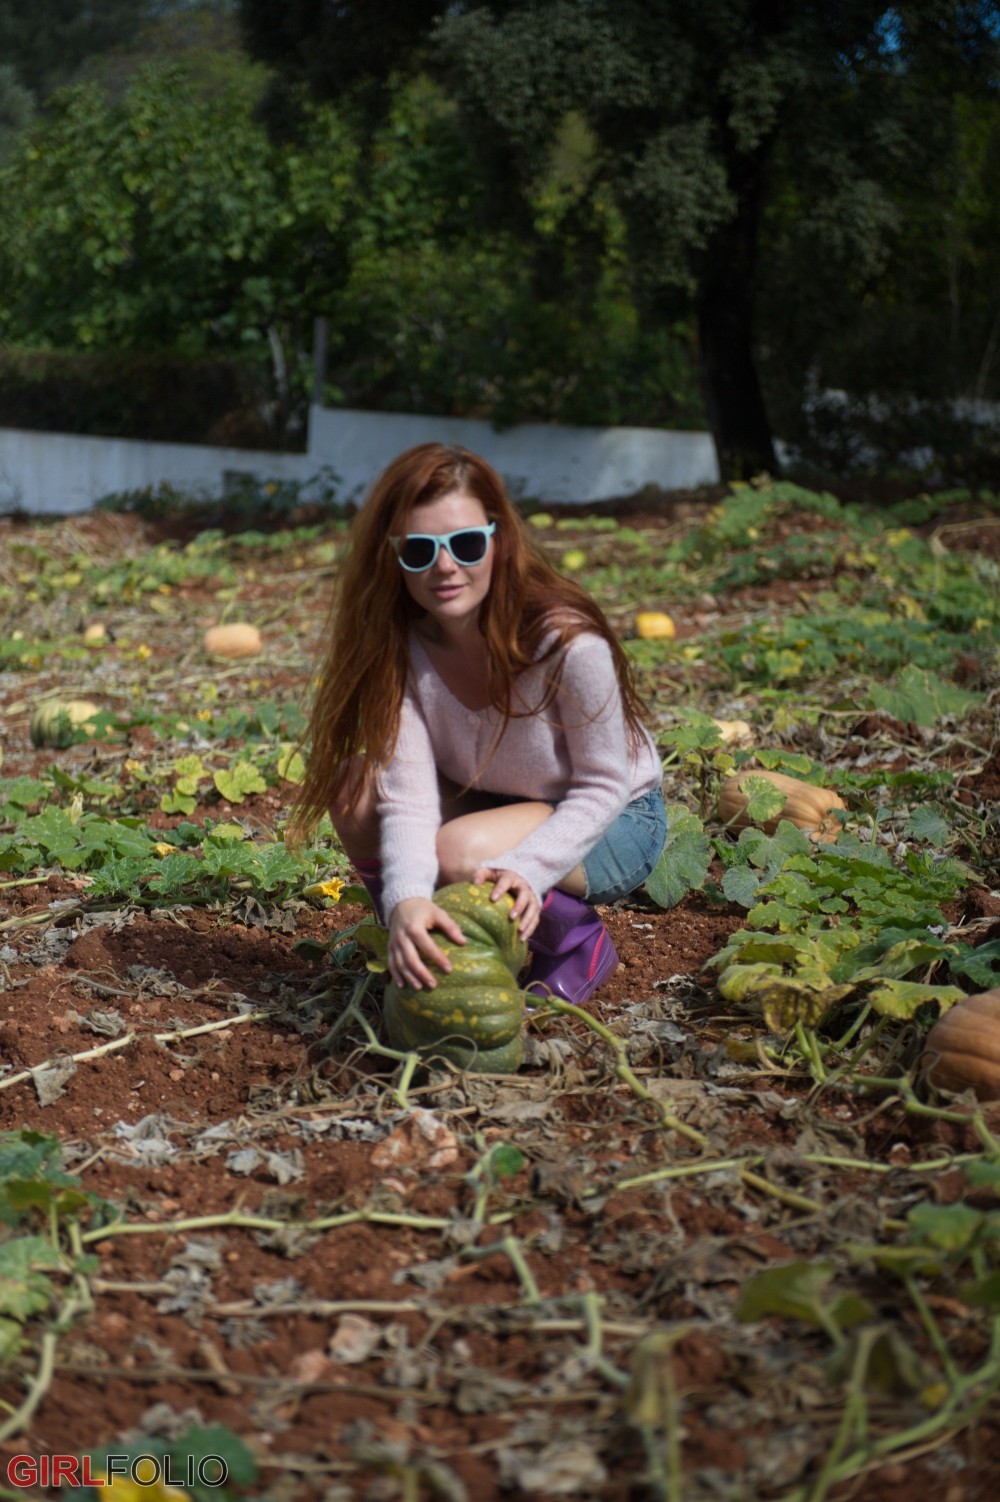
47	41
167	219
690	104
17	108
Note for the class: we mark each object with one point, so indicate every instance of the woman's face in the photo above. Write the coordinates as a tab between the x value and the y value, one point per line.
451	593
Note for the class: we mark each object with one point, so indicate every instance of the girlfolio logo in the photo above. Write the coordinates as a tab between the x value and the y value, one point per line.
140	1471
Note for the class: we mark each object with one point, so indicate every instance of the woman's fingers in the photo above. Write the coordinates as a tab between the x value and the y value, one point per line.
413	950
525	908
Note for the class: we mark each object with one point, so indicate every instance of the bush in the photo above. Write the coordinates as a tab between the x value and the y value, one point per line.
162	397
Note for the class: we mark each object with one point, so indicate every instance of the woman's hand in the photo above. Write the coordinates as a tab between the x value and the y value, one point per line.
527	908
411	945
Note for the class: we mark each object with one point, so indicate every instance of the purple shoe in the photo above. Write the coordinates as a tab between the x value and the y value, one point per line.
572	952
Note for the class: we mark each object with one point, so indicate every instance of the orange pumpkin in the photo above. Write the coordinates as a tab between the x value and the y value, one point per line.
808	807
963	1047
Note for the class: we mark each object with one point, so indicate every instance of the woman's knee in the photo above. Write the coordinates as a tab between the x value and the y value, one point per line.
474	840
458	851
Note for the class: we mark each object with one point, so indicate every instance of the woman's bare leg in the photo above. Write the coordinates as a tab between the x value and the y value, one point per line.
475	839
473	832
354	815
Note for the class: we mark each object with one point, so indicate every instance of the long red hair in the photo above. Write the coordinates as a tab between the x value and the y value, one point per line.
357	704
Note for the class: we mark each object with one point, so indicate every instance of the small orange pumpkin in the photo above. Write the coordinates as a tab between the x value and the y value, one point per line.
963	1047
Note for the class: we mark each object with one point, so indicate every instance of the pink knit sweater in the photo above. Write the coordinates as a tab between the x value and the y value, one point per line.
573	754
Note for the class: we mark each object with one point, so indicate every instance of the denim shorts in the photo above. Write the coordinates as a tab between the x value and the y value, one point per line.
626	853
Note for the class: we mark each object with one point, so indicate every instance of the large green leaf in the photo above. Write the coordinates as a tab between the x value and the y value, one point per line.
684	863
922	698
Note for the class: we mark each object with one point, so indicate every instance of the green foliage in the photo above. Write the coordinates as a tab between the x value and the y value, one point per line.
816	132
37	1200
923	698
47	43
163	211
169	220
684	862
195	1451
125	860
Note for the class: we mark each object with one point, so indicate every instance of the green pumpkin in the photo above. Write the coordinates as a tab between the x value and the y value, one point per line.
56	721
473	1016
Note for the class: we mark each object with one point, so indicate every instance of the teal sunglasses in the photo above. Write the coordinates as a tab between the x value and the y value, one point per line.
418	551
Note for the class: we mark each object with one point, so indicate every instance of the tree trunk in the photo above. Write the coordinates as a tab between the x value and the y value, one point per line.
731	386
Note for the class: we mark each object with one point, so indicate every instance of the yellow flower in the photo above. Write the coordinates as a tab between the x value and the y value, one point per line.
127	1489
142	651
331	889
162	848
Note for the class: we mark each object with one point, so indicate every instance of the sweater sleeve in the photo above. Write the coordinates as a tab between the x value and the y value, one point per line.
409	811
588	712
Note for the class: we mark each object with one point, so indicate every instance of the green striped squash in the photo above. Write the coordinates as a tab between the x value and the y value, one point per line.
473	1016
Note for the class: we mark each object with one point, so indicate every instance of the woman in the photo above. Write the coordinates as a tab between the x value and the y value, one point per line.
476	720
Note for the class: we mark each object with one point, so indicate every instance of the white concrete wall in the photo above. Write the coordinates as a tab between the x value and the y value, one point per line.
62	473
46	473
538	461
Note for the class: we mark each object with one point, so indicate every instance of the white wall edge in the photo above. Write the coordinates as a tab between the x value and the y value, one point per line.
64	473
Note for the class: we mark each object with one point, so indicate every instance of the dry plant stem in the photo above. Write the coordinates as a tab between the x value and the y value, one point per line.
623	1069
592	1305
858	1165
681	1171
22	1416
262	1223
129	1038
855	1416
351	1013
939	1427
904	1089
786	1196
511	1247
811	1052
933	1329
855	1028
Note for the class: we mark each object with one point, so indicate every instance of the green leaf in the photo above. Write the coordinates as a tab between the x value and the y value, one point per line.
983	1173
740	884
890	1364
685	860
375	939
930	825
947	1228
794	763
984	1293
901	998
981	966
215	1439
178	803
793	1291
787	1001
901	959
738	982
239	781
24	1290
764	800
291	766
506	1161
922	698
12	1341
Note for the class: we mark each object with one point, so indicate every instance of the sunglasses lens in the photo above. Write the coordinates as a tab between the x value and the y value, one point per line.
417	553
469	547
